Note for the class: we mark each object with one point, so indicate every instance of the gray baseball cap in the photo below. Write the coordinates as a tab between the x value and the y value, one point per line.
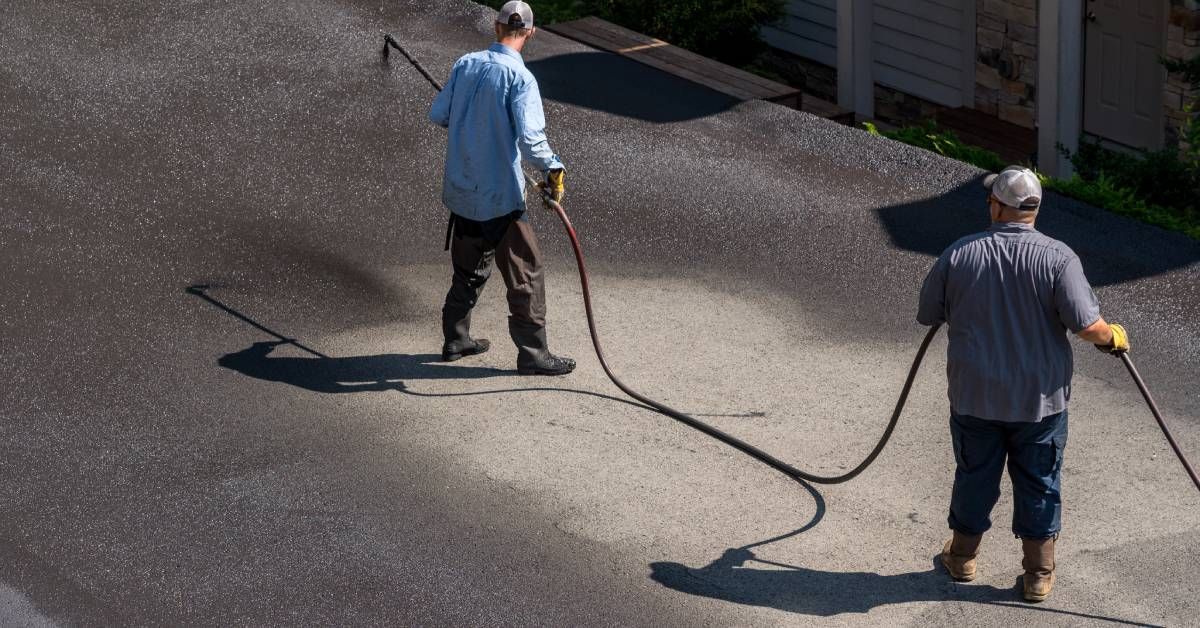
516	13
1017	187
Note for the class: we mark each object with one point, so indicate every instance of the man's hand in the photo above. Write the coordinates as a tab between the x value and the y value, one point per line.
554	184
1119	342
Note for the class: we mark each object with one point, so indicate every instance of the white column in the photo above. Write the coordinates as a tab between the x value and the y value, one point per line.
1059	84
970	25
856	87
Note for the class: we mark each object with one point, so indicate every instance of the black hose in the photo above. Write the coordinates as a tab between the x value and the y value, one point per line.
728	439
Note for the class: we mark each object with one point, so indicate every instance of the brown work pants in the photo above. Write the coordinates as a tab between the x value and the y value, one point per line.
512	244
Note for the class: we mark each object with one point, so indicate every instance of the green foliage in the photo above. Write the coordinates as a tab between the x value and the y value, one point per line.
1162	177
726	30
1190	135
1190	131
1157	188
1189	155
942	142
1108	194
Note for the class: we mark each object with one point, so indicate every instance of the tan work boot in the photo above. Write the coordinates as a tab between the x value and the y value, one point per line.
959	555
1039	568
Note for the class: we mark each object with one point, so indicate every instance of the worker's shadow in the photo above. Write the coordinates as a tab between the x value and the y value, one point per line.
372	373
346	375
827	593
1113	249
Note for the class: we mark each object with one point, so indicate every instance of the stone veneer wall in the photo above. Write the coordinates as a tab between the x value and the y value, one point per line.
897	107
1006	42
808	75
1183	42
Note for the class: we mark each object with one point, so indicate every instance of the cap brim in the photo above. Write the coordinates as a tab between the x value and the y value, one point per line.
990	180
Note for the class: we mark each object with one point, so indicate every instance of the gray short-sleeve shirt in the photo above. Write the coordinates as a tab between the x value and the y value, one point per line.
1009	296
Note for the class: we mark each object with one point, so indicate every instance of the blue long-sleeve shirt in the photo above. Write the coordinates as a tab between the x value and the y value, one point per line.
493	109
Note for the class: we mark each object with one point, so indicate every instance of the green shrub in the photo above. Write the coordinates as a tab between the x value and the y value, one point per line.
1161	177
1190	132
1123	184
1108	194
942	142
1190	135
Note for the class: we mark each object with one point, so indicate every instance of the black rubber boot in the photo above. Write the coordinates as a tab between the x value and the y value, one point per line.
548	364
459	349
533	354
456	329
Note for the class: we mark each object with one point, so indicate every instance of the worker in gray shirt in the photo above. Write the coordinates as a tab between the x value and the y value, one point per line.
1009	295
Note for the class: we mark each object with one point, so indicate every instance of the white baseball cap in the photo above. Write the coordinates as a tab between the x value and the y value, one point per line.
1017	187
516	13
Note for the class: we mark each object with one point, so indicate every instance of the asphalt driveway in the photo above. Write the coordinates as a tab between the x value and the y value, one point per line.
163	461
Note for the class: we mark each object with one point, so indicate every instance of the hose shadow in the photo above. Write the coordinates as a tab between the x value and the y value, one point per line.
819	593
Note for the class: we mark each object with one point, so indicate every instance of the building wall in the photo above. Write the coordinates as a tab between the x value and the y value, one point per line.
808	29
924	48
1183	42
1006	60
1006	46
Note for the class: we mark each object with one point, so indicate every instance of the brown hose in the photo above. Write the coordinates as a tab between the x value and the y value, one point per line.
1137	379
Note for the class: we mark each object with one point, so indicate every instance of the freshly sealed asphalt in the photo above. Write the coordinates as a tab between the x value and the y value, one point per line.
162	463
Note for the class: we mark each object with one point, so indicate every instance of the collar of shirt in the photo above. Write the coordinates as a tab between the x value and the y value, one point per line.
1010	227
505	50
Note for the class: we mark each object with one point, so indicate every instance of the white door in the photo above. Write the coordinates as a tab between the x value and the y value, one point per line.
1123	80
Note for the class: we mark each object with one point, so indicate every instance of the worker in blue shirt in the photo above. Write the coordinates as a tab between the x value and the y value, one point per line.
1011	297
493	110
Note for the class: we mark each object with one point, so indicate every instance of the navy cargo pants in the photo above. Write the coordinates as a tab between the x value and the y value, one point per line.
1034	452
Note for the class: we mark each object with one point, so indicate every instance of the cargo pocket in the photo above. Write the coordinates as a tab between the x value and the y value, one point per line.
1058	444
957	445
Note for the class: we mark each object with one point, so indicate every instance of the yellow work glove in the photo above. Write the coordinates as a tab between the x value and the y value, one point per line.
1120	340
554	184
